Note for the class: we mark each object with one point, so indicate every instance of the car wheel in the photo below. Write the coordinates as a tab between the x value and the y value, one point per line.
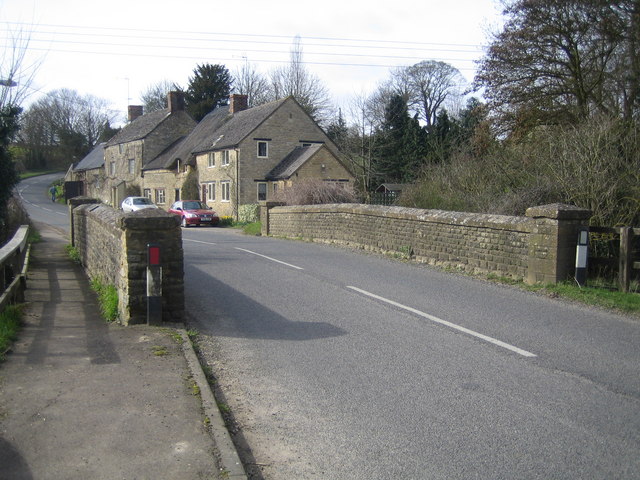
184	222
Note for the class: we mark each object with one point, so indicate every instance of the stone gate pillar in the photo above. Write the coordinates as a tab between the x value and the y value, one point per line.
553	240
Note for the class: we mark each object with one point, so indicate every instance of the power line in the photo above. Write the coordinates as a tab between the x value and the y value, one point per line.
164	55
250	35
184	47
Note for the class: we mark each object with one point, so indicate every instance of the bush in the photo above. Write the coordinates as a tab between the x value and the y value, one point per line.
313	192
15	216
249	213
594	165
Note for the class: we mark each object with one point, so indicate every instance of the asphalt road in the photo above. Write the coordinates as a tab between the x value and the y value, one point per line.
34	193
343	365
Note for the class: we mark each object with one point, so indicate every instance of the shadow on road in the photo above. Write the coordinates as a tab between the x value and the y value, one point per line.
233	314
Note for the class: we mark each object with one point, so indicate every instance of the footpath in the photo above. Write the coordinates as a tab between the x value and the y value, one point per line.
83	399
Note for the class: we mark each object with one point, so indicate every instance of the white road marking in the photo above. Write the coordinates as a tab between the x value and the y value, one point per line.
444	322
198	241
269	258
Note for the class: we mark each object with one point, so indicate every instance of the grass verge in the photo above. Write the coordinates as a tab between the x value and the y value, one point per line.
254	228
10	324
595	296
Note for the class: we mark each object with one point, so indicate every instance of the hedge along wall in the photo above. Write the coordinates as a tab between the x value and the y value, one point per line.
539	247
113	248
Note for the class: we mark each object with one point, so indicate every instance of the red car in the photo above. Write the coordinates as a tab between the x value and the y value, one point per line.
194	212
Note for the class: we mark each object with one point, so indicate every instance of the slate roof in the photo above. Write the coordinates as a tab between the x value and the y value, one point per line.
292	162
235	128
140	127
184	148
216	131
94	159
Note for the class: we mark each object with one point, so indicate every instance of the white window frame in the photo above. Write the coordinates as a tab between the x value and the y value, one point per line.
264	192
112	169
266	149
211	159
161	196
211	191
226	155
147	193
225	191
131	165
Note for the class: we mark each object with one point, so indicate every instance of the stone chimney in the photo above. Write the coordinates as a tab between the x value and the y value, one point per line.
134	112
175	101
238	102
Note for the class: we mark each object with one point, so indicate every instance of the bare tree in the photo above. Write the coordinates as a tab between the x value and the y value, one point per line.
295	80
428	87
561	61
16	75
155	96
63	126
248	81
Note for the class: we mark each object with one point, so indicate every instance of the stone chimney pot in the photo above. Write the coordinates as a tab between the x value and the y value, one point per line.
175	101
134	111
238	102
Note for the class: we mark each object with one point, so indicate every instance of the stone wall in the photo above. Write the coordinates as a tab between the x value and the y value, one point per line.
539	247
113	247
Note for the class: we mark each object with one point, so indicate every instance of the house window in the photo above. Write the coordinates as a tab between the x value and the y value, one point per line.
225	188
132	165
225	157
263	149
112	168
275	188
211	191
211	159
262	191
176	194
160	196
147	193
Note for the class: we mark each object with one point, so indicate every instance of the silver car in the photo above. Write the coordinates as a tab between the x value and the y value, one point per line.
133	204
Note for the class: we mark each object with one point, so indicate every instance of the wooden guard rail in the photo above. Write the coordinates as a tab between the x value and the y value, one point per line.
14	259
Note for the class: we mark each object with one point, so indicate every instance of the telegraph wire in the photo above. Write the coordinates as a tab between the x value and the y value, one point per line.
233	34
200	58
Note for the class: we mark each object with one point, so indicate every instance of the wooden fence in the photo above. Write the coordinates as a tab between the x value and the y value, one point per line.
382	198
614	253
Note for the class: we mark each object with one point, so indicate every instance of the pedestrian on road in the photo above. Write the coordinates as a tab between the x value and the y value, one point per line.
52	191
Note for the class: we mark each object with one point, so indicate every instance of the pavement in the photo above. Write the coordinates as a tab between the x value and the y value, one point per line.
84	399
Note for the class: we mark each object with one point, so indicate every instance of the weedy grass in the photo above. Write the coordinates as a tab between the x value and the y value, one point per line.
73	252
107	299
10	324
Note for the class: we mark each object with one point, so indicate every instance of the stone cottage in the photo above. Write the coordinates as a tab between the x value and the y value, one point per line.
139	143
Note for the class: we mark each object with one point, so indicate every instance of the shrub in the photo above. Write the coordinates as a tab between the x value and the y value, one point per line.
313	192
249	213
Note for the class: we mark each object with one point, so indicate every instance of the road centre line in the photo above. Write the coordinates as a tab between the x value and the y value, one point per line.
445	323
197	241
269	258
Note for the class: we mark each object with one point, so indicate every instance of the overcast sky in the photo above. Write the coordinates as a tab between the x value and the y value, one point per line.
116	49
